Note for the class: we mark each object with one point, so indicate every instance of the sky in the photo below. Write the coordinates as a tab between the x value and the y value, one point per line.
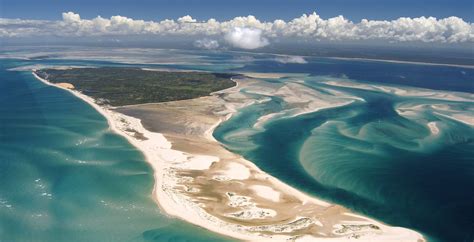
265	10
241	24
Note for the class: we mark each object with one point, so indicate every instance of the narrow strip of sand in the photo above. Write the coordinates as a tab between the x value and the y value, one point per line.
403	62
199	181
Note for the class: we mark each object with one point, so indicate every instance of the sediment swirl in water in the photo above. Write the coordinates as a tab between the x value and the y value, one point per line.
395	153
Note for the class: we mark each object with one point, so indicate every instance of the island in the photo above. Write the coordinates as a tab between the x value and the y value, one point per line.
170	116
119	86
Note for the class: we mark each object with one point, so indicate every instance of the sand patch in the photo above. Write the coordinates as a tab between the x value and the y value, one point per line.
65	85
266	192
236	171
433	128
200	162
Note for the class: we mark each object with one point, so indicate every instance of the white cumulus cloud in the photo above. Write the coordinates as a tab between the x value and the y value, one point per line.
246	38
186	19
71	17
208	44
291	59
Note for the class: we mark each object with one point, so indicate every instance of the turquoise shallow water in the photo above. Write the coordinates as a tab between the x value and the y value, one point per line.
65	177
369	158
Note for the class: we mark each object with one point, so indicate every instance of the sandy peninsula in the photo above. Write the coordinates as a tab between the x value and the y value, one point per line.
199	181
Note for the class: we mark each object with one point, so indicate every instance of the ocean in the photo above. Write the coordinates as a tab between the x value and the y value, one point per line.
64	175
365	155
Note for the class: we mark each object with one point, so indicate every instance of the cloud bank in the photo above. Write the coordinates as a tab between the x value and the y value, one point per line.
249	32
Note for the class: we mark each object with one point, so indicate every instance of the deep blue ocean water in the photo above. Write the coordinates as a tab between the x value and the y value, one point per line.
63	175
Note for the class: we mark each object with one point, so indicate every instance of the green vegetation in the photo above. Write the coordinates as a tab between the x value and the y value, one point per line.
120	86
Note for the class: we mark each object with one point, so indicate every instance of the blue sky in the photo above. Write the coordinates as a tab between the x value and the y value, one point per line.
226	9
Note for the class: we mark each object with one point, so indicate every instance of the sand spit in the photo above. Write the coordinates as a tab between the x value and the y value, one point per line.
199	181
403	62
447	104
265	75
406	92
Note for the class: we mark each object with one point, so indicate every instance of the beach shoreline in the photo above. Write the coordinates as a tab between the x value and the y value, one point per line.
159	153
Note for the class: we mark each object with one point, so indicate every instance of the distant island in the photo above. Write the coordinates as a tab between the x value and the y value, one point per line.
120	86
